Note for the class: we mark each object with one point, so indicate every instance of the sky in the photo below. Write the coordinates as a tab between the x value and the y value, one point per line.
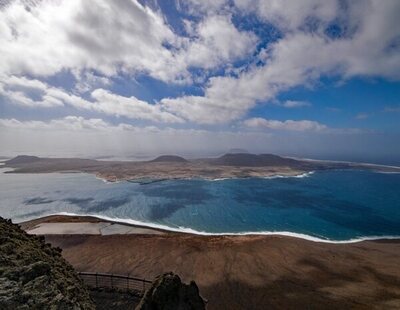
127	78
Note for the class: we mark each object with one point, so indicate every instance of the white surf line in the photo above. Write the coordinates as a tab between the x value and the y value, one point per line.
273	176
103	180
301	175
191	231
345	162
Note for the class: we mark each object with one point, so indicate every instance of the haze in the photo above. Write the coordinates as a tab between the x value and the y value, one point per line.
129	79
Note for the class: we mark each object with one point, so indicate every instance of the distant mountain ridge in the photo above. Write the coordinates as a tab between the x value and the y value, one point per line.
237	165
229	159
22	159
253	160
170	158
238	151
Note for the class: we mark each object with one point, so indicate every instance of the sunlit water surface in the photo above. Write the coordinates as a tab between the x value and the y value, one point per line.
335	205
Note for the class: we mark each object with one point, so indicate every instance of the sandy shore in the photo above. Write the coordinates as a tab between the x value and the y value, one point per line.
237	272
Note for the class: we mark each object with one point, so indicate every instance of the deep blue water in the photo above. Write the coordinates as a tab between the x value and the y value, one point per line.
337	205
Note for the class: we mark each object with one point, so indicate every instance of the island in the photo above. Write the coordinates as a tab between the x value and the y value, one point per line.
231	165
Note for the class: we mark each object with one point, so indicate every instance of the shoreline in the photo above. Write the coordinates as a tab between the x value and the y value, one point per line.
228	166
65	217
153	179
148	180
249	272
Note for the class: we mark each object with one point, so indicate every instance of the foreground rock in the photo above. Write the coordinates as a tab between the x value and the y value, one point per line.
33	275
169	293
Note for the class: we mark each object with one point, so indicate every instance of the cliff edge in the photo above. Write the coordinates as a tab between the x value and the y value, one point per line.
33	275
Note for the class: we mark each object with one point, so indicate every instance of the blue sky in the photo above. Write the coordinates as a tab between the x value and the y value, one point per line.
302	78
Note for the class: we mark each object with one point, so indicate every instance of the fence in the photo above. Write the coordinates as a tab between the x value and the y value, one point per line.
113	281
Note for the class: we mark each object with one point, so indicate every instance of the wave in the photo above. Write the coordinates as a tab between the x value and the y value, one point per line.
181	229
107	181
387	172
299	176
346	162
275	176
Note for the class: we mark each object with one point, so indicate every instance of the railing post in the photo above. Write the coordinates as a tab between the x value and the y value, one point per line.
88	277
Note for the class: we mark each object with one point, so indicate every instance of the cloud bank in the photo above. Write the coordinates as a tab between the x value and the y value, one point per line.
211	66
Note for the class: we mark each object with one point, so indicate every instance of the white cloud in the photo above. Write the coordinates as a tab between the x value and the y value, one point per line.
131	107
74	136
392	109
288	14
290	104
18	91
87	81
78	123
217	42
198	7
46	37
362	115
204	110
63	124
301	57
302	125
97	40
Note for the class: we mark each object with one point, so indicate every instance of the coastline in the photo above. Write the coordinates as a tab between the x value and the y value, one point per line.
65	217
247	271
204	230
154	179
175	167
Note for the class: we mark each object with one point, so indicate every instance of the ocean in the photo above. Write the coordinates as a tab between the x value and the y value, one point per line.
339	206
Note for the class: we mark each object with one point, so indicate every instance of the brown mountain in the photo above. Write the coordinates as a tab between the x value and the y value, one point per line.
170	159
22	159
253	160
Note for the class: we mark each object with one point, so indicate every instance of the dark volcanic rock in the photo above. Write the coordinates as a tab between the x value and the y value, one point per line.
253	160
170	159
169	293
33	275
22	159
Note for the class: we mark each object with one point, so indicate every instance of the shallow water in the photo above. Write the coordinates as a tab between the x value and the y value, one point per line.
335	205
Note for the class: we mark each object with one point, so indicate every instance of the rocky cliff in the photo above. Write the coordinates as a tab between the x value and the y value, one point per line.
33	275
169	293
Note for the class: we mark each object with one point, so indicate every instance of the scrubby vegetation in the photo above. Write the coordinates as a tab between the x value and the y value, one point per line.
33	275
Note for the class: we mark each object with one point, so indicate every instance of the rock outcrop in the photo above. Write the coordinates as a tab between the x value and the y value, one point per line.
22	159
169	293
253	160
169	159
33	275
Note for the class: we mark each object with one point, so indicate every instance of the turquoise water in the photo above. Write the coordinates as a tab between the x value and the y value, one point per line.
335	205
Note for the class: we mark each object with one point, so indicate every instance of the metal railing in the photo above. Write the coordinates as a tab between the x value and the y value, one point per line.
115	281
